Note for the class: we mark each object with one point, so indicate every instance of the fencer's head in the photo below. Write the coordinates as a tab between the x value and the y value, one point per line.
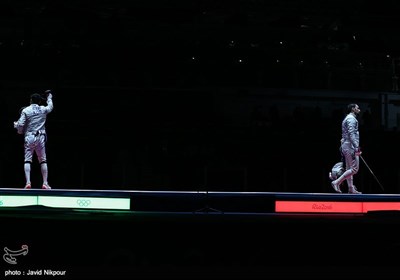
353	108
36	98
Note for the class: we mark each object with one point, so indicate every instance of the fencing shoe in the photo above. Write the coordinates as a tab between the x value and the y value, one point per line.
336	186
353	190
28	186
46	187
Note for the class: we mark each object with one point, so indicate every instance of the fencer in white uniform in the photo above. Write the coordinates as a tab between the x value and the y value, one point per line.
31	124
350	147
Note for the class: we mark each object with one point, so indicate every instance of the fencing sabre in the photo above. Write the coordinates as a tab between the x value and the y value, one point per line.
372	173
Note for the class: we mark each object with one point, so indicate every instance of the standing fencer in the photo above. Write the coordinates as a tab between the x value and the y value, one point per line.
350	148
31	124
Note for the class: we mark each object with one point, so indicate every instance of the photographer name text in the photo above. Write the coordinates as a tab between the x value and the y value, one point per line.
38	272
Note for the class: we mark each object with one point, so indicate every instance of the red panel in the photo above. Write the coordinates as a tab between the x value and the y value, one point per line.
333	206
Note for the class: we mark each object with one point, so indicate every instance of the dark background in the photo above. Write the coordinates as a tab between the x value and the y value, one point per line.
218	95
201	95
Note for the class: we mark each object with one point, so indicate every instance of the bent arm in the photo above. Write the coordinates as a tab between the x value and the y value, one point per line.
20	124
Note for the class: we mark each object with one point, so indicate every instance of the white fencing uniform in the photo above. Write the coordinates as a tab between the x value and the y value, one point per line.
32	124
350	147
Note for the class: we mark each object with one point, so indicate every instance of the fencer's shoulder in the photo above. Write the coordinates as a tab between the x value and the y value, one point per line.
350	117
26	109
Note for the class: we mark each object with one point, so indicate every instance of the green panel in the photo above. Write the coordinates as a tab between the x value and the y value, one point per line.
17	200
84	202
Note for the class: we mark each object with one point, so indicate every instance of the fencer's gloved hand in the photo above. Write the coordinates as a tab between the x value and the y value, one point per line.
48	93
358	152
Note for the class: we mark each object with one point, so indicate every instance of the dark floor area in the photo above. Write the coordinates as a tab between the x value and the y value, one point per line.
100	245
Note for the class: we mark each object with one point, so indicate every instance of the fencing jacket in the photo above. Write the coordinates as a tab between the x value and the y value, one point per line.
33	118
350	134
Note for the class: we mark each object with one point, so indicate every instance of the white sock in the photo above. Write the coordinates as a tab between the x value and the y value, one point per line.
45	172
27	169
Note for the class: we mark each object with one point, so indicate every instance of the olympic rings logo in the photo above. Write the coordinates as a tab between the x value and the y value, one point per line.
83	202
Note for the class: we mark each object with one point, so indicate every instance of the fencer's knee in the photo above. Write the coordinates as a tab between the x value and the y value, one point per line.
43	162
27	161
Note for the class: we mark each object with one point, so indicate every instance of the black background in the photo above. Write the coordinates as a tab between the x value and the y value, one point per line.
199	95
